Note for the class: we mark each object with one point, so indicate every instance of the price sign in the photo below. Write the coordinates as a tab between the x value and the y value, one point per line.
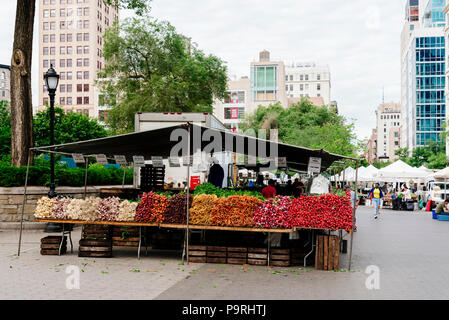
187	160
78	158
282	162
314	165
101	159
121	160
174	162
139	161
157	161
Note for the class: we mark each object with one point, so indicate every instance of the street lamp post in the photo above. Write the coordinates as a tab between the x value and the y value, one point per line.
52	81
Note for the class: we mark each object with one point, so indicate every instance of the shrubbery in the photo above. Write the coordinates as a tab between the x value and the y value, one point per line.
40	176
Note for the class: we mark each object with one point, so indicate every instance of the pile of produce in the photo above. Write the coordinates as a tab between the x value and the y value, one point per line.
274	214
177	209
59	209
208	188
109	209
322	212
235	211
44	208
201	209
127	211
152	208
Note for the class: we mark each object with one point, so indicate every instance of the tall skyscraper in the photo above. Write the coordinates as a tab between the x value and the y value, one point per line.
389	121
70	39
422	74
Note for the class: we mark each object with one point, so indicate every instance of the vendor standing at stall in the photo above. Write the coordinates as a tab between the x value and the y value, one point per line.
376	196
269	192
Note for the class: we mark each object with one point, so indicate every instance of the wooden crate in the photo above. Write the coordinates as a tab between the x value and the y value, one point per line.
198	254
50	245
327	255
95	248
216	254
280	257
96	232
258	256
237	255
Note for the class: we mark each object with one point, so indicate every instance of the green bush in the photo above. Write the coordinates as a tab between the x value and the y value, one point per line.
40	176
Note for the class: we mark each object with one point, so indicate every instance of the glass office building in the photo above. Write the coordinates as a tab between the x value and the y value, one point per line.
264	83
430	85
433	14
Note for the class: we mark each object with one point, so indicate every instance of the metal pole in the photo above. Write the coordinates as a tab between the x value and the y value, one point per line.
353	217
188	193
52	193
124	177
24	201
85	178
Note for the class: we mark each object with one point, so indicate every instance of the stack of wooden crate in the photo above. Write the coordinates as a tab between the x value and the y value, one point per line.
280	257
216	254
125	236
258	256
327	256
96	242
197	254
51	245
237	255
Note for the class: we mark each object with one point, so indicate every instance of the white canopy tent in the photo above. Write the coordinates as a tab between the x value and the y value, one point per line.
400	172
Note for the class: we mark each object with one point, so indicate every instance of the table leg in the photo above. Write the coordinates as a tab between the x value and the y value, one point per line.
313	246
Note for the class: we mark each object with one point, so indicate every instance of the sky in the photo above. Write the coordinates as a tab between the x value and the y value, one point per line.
359	40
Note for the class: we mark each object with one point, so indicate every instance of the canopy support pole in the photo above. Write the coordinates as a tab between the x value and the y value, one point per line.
353	211
188	193
124	177
85	177
24	201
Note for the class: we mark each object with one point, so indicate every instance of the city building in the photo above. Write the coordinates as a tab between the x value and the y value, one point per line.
71	40
308	80
267	82
271	82
446	37
5	83
371	148
423	74
232	110
388	130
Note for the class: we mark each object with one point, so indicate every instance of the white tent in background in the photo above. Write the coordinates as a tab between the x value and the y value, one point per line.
441	175
400	172
423	168
346	175
368	174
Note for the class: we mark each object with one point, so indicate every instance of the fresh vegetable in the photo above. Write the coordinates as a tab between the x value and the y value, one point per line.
152	208
44	208
235	211
177	209
274	214
201	209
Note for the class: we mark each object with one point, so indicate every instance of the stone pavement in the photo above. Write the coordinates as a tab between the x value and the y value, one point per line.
409	248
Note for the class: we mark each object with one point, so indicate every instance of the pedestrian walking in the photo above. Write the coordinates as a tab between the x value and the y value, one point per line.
376	196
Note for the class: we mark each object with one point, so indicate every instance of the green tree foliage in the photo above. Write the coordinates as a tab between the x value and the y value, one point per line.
69	127
139	6
5	128
306	125
150	67
432	155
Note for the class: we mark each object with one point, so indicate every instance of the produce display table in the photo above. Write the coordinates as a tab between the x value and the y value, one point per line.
191	227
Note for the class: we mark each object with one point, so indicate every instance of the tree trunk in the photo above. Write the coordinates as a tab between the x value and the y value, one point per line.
21	99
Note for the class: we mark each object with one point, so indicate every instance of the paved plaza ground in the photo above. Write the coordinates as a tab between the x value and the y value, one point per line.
409	249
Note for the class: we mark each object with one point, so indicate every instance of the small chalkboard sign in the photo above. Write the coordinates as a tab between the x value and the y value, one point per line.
101	159
157	161
78	158
174	162
121	160
139	161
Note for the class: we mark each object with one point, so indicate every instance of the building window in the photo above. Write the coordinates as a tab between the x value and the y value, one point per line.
52	51
62	88
69	37
69	63
45	51
62	75
86	62
46	26
62	50
306	77
318	77
86	37
291	77
69	88
79	88
69	75
79	75
86	49
62	63
62	101
86	75
301	77
86	100
45	65
69	101
79	50
318	87
52	25
86	24
79	62
52	38
79	37
291	87
69	50
46	38
86	88
79	100
86	11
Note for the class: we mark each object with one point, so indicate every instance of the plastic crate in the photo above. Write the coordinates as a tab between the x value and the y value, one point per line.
443	218
434	215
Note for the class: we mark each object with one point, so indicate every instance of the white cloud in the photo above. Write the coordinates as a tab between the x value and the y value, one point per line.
359	40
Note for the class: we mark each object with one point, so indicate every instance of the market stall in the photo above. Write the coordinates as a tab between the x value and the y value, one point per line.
237	212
